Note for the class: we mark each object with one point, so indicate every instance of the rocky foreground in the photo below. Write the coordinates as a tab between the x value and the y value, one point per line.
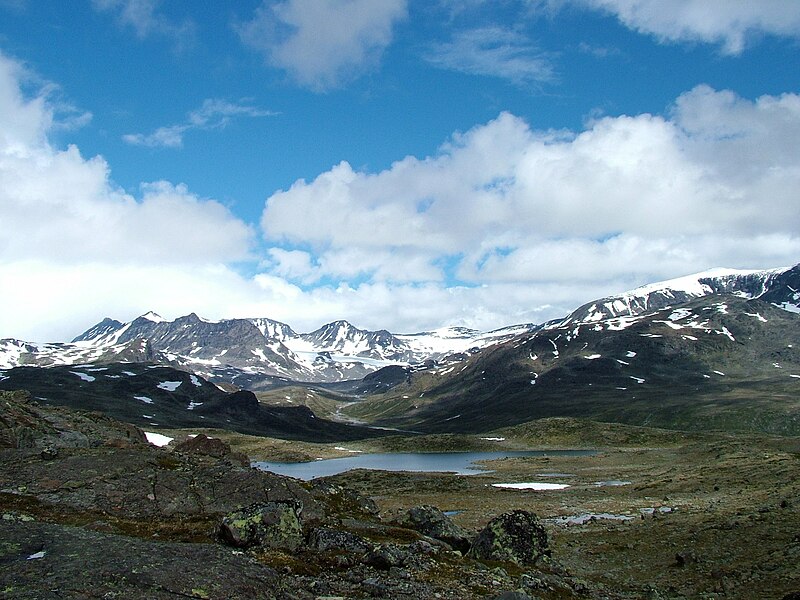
91	510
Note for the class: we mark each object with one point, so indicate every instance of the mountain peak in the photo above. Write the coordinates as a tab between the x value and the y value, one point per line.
153	316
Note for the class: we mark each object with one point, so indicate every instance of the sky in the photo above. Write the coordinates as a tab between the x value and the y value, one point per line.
402	164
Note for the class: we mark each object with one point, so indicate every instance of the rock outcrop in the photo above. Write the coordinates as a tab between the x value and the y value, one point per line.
516	537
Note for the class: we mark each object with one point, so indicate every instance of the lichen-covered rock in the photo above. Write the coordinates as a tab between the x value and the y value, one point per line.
516	536
267	524
325	539
432	522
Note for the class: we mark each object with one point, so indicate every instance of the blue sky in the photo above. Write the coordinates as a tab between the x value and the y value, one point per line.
402	164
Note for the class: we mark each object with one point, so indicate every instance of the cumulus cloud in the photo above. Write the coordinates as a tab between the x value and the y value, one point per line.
214	113
143	17
504	224
493	52
730	23
323	44
64	221
629	199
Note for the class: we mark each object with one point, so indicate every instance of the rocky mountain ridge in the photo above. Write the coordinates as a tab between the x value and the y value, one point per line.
719	361
258	353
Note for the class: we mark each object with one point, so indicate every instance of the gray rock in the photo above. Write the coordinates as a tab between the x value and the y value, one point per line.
267	524
386	556
324	539
516	537
432	522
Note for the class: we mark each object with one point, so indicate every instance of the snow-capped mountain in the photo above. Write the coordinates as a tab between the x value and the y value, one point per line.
654	296
251	352
726	359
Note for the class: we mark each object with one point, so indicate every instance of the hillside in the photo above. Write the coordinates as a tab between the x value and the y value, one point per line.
717	362
155	397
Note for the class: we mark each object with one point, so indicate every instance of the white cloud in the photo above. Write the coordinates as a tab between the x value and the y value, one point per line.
730	23
65	222
142	16
630	199
493	52
504	224
323	44
214	113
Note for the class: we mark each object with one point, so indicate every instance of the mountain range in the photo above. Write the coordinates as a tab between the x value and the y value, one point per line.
713	350
252	353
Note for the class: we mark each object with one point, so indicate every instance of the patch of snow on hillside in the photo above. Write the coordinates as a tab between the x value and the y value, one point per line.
630	354
157	439
533	485
195	380
622	362
144	399
192	405
170	386
727	333
719	373
83	376
788	306
637	379
680	313
621	323
593	356
494	439
689	337
757	316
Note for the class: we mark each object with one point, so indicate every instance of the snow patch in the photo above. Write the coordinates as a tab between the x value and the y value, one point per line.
157	439
169	386
756	316
83	376
532	485
144	399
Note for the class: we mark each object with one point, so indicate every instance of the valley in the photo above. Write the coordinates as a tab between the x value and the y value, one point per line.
684	395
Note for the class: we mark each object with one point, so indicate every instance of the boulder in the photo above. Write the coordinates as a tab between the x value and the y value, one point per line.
386	556
432	522
267	524
515	536
208	446
325	539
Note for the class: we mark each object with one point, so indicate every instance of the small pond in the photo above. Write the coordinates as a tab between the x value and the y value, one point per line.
460	463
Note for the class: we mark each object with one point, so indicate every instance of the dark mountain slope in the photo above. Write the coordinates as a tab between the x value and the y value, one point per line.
153	397
718	362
